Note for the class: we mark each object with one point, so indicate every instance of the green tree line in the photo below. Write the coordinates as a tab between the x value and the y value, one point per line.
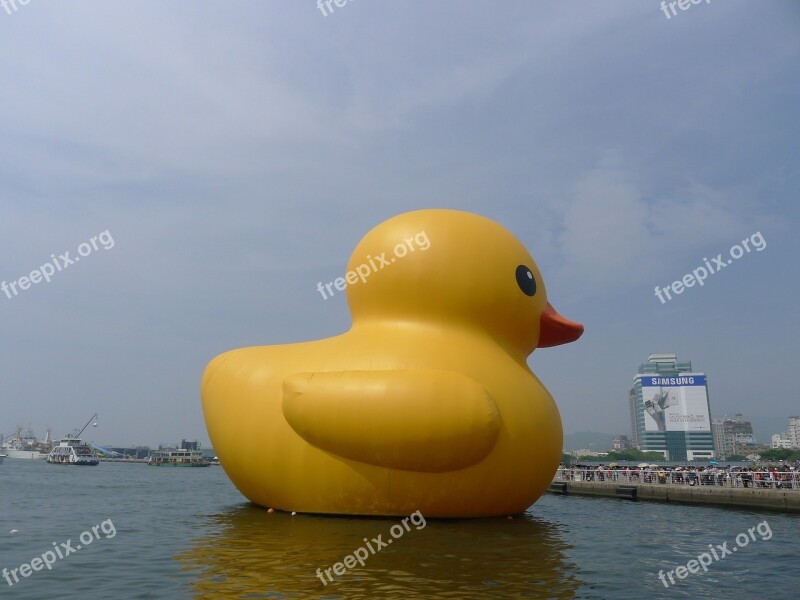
780	454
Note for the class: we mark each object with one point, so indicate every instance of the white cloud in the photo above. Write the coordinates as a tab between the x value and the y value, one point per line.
615	235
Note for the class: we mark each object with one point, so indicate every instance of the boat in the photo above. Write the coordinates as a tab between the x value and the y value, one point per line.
2	456
178	457
72	450
27	445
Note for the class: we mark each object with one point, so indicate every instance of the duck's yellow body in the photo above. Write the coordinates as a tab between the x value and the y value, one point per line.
427	403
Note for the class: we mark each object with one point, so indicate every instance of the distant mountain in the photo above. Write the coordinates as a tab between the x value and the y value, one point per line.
590	440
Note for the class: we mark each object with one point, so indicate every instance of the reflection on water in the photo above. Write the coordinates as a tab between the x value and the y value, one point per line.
255	554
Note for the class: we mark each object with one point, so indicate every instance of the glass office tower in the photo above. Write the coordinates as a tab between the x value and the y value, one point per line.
670	411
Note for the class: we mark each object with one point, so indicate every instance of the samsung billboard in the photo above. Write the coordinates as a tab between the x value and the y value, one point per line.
677	403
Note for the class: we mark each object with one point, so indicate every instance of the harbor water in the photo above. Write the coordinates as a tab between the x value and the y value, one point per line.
187	533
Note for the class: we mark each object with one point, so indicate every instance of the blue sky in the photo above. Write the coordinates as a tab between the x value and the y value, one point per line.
237	152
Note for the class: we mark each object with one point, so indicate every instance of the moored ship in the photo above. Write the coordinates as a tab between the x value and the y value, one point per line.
188	454
178	458
27	445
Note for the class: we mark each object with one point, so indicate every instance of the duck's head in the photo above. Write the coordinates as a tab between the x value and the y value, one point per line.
453	268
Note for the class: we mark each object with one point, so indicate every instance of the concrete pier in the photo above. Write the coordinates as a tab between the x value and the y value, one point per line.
772	499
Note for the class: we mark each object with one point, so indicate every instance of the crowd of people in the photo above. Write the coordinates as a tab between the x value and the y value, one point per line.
785	476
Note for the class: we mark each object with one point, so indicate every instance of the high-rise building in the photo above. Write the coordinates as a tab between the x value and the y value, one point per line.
634	423
669	409
730	435
723	445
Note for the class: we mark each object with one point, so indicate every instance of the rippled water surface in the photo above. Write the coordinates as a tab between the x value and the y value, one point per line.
187	533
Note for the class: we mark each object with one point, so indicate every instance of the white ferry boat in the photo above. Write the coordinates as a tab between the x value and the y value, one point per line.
72	450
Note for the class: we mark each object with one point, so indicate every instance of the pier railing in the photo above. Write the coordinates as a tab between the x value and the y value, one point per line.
780	480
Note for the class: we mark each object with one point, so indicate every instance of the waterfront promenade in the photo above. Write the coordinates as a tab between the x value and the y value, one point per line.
754	489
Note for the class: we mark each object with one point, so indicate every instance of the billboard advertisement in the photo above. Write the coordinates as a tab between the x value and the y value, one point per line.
678	403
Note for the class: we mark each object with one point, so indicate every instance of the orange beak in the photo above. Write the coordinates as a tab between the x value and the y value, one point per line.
555	330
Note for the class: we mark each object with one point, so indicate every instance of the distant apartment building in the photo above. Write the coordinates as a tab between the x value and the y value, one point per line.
788	439
585	452
669	409
621	442
731	436
780	442
794	432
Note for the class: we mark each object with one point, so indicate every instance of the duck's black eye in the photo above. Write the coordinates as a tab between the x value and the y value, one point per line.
526	280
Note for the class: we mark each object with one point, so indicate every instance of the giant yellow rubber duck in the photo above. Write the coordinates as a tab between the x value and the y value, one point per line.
427	403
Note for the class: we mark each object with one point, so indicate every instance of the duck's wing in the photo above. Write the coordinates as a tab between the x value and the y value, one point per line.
415	420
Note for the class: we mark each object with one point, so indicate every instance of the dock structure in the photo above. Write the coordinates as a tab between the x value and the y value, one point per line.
782	499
